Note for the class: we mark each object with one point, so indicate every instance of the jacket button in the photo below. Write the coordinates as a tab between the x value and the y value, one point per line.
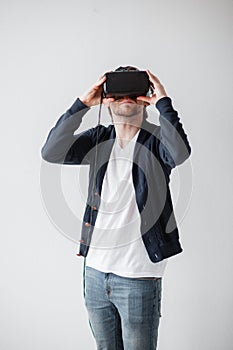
87	224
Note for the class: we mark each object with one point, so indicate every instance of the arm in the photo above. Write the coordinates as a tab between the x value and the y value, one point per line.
62	146
174	147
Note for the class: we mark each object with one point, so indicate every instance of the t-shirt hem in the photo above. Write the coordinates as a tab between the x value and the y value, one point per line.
125	274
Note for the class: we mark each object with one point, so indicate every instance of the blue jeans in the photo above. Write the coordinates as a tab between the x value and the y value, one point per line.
124	313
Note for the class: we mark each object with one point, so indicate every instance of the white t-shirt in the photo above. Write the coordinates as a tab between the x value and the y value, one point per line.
116	244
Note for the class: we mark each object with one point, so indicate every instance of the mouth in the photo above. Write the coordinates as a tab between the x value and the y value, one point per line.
127	101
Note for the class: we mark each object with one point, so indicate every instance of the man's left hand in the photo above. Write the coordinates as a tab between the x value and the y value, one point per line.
159	91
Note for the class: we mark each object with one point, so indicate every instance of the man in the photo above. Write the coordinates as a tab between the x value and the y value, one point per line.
129	229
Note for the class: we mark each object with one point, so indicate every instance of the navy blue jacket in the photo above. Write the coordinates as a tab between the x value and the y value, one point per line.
157	151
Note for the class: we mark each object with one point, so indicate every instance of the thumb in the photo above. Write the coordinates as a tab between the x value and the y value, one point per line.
144	99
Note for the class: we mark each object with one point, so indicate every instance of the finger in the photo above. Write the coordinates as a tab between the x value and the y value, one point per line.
150	75
100	81
146	99
153	78
107	101
103	75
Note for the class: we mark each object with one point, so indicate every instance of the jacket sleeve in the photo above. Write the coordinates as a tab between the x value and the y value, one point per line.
62	146
174	147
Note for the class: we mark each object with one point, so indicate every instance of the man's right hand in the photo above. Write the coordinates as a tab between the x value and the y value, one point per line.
93	96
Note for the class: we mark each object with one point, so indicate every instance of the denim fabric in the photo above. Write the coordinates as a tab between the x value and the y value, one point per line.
124	313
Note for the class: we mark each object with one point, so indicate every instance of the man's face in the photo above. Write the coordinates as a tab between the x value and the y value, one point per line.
126	107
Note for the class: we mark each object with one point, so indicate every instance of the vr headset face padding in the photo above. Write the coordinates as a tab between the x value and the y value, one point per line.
126	83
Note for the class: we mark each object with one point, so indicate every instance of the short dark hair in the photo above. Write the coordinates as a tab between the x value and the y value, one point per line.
126	68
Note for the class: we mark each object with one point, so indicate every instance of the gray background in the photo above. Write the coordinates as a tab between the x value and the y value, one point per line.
52	51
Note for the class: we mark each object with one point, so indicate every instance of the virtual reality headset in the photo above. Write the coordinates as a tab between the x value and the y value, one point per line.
126	83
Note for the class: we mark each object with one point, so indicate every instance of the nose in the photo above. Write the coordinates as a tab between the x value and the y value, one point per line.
128	97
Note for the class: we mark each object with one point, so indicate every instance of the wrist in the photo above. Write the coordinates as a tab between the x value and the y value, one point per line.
85	101
163	102
160	97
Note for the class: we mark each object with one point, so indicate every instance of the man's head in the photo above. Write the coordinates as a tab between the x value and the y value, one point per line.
127	106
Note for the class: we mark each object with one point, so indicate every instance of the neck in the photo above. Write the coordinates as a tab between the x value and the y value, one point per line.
126	128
